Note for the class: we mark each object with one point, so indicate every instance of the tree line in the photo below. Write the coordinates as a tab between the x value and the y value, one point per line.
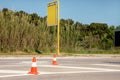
20	31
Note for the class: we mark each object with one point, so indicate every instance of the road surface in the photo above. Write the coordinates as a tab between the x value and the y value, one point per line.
68	68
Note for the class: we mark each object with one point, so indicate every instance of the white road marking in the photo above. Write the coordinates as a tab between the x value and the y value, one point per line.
107	65
4	76
24	73
12	71
88	68
38	62
43	73
72	72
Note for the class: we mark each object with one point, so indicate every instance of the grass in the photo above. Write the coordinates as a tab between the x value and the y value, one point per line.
68	53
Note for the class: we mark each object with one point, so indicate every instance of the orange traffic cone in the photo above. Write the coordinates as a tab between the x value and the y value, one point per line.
54	62
34	67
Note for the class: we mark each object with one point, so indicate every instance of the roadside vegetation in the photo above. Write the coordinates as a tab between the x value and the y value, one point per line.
28	33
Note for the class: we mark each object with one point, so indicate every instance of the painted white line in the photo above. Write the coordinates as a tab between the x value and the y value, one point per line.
43	73
88	68
71	72
107	65
38	62
4	76
72	67
12	71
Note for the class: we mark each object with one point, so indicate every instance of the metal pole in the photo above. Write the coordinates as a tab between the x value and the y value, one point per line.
58	29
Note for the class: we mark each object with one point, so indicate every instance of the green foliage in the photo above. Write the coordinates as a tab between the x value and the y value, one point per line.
118	27
20	31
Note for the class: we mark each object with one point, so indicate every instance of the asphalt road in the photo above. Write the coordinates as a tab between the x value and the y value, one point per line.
68	68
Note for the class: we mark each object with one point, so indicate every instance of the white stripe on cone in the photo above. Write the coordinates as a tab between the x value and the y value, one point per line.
34	64
54	59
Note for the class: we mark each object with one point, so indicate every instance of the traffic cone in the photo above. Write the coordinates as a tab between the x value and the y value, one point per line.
54	62
34	67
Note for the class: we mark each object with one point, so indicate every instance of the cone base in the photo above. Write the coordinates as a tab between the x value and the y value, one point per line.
54	63
33	71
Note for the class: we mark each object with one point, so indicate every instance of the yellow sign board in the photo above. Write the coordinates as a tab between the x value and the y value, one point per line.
52	14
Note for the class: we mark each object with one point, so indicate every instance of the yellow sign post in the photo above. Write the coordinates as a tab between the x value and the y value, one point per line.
52	14
53	19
